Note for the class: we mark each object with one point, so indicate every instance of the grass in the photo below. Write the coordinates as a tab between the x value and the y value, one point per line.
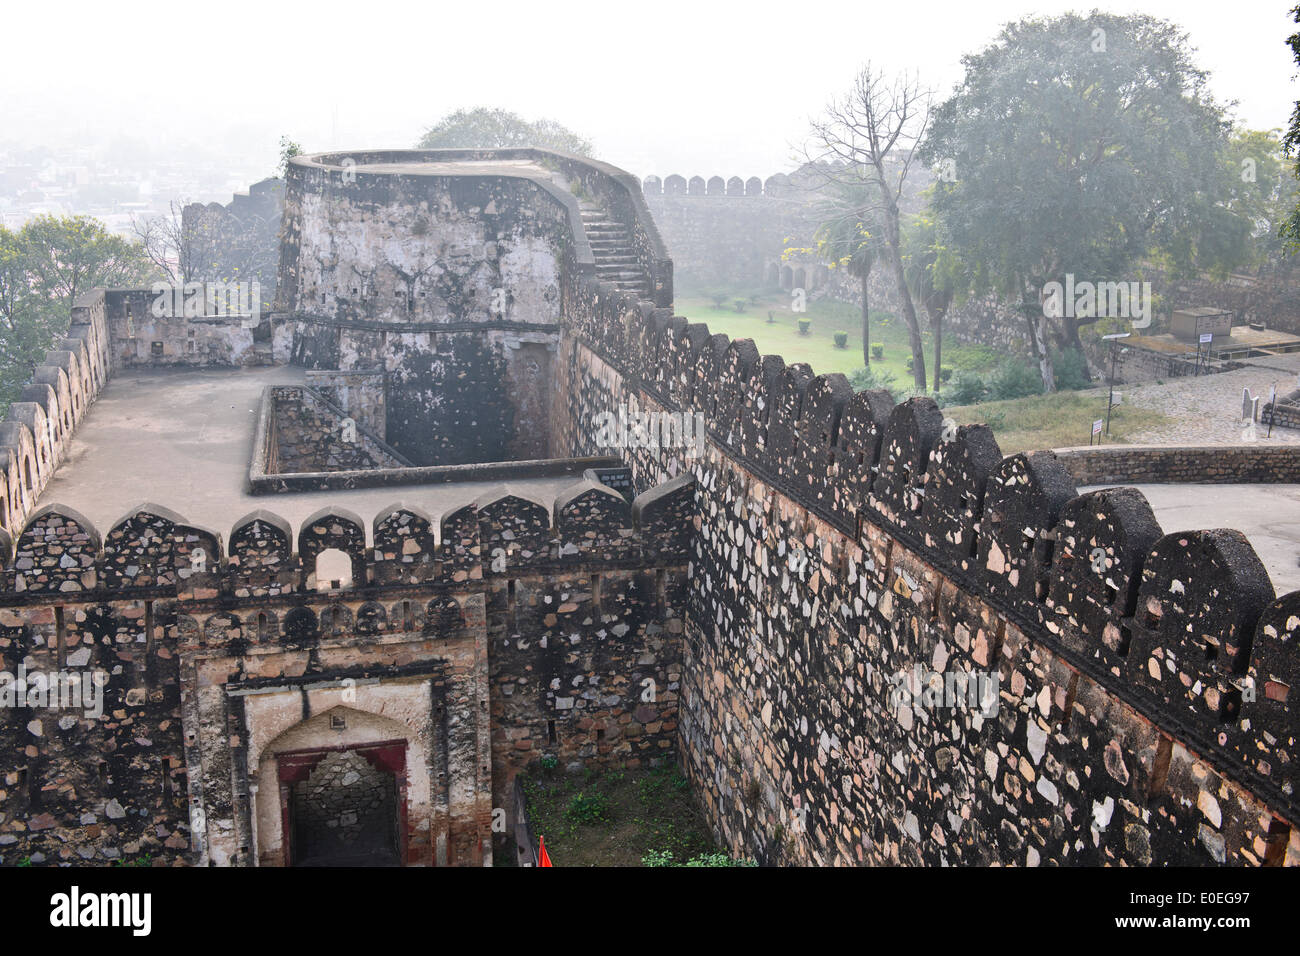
817	348
616	817
1062	419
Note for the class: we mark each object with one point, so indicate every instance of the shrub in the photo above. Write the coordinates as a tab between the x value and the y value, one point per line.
1015	379
549	762
771	316
966	389
1071	370
945	374
587	808
717	858
740	305
804	326
911	363
841	340
877	352
719	299
866	379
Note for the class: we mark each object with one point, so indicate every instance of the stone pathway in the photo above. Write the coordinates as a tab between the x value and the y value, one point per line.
1206	410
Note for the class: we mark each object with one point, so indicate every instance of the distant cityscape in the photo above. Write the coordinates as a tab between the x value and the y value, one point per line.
116	182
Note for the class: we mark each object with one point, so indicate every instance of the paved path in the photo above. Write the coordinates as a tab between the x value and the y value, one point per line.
1206	409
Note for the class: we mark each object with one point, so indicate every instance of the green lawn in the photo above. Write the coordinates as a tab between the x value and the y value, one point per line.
780	336
1059	420
1039	421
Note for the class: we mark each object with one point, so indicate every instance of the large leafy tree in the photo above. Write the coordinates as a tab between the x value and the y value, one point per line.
484	128
1290	229
66	256
44	268
1081	145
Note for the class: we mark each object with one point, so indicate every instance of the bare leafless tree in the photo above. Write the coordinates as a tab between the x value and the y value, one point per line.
197	243
869	137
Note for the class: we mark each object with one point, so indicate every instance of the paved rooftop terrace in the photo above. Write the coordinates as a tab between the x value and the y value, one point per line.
182	439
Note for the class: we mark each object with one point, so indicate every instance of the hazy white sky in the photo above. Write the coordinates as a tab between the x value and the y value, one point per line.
661	87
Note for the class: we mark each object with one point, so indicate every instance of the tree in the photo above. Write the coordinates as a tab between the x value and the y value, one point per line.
870	136
198	243
936	274
288	150
1261	190
44	268
1080	145
1290	230
67	256
846	239
484	128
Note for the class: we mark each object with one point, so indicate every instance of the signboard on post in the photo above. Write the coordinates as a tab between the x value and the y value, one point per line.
1096	431
1206	338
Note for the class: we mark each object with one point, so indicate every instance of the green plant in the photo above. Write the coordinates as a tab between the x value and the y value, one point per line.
877	352
1071	370
587	808
966	389
1015	379
771	316
549	761
841	340
911	363
719	299
868	379
717	859
945	374
804	326
740	305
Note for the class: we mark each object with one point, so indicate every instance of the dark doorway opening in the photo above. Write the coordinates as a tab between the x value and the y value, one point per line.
344	806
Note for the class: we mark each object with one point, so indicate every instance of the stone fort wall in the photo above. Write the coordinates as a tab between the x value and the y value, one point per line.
1143	706
790	593
493	633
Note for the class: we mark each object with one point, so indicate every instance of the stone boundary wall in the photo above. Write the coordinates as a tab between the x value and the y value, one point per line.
1169	464
575	597
844	540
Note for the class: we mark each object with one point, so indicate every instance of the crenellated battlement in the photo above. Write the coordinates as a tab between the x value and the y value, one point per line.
61	556
1185	625
777	186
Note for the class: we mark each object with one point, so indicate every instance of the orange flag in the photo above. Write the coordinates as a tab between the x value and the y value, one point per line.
543	858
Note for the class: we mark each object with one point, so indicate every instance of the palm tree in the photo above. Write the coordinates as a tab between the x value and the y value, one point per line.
847	239
936	275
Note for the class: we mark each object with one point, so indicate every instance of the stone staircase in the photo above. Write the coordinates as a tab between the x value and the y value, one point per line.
611	246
